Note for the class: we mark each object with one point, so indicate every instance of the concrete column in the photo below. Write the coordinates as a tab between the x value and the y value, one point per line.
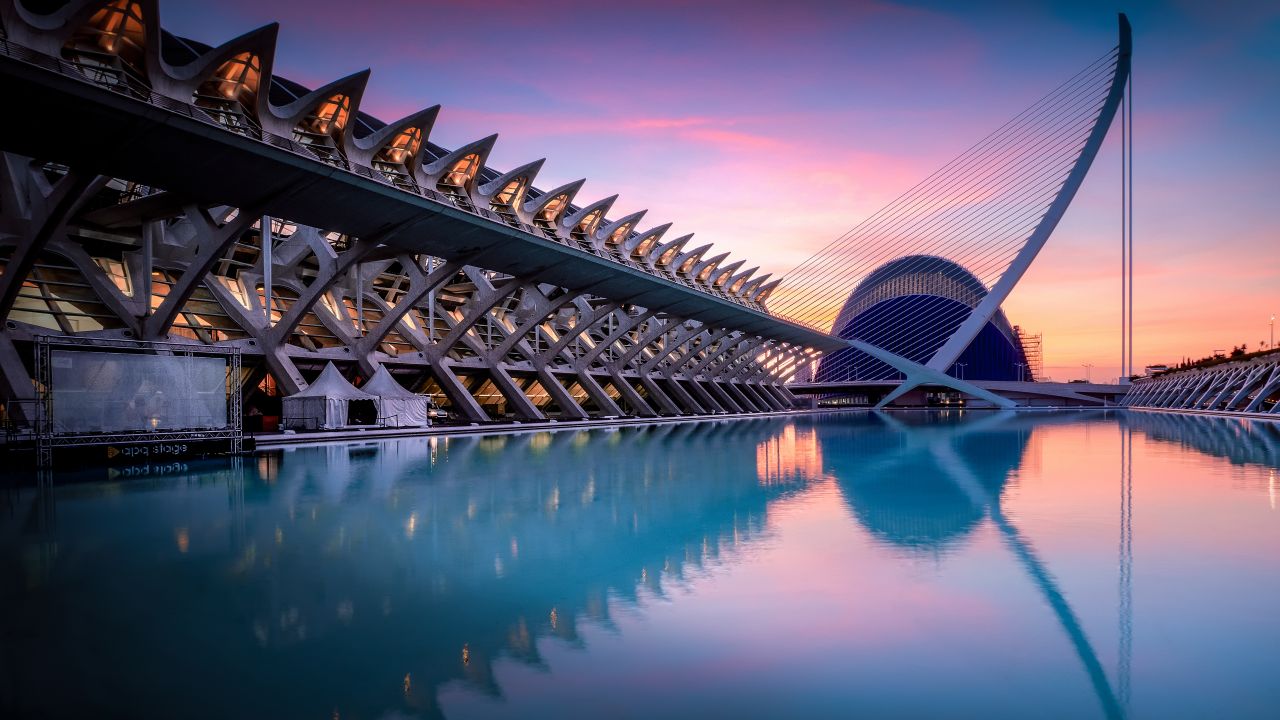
568	406
463	401
741	398
787	397
682	396
761	395
510	389
598	394
631	396
656	393
714	388
705	399
281	366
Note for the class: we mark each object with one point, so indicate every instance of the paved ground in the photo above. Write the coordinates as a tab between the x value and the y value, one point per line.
280	439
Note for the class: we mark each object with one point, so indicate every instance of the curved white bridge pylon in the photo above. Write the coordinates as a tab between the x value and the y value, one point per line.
982	217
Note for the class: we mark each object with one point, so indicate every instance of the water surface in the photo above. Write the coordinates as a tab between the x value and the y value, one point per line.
874	565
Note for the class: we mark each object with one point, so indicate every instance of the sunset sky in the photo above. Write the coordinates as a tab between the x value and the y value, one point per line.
771	128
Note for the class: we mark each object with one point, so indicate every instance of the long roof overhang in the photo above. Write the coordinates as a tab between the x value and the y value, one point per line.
66	120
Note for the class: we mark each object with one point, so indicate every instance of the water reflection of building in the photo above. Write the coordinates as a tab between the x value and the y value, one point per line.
925	488
1240	441
361	578
898	490
791	455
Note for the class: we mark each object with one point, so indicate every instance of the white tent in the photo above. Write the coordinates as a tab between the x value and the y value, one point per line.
325	404
397	407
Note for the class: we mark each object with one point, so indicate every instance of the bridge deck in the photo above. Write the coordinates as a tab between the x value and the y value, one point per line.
1086	392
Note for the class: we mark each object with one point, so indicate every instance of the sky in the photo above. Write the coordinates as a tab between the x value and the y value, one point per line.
771	128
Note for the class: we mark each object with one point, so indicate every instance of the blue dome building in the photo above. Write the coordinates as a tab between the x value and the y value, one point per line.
910	306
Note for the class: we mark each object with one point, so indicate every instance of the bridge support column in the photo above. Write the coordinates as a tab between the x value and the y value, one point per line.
598	395
762	396
786	397
1271	386
741	397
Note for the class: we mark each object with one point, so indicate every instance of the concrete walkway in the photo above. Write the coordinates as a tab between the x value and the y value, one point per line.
279	439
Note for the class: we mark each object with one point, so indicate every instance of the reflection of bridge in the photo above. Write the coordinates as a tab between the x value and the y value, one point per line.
923	488
1025	394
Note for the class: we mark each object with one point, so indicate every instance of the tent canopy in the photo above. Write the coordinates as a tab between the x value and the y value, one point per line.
331	384
325	404
397	407
383	385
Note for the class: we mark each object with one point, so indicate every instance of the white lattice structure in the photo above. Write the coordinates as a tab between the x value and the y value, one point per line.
1244	386
158	189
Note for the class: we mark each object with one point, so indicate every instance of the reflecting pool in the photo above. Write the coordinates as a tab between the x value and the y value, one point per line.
873	565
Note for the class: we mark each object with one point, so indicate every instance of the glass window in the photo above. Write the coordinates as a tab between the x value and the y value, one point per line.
644	247
236	289
403	148
588	224
620	234
329	118
233	87
460	175
552	209
118	273
511	195
115	30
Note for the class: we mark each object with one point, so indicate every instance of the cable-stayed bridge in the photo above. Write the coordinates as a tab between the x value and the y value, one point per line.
915	290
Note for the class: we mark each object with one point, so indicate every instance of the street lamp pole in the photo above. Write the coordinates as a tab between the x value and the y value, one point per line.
1272	344
1088	372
